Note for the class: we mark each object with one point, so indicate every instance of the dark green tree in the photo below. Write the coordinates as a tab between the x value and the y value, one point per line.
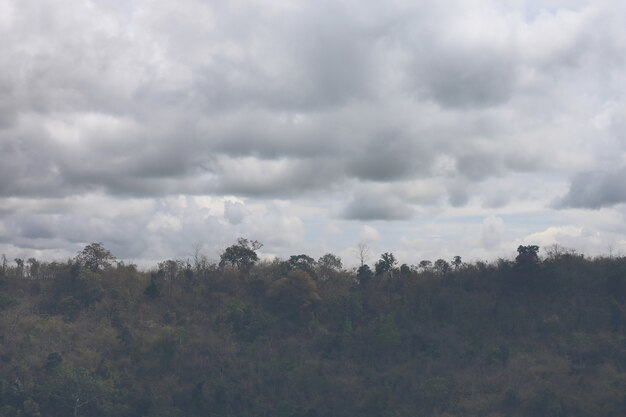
527	270
385	264
328	265
95	257
527	255
171	269
152	290
364	274
302	262
294	294
441	267
425	265
241	255
33	267
19	270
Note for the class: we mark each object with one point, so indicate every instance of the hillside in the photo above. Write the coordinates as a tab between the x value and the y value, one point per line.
530	337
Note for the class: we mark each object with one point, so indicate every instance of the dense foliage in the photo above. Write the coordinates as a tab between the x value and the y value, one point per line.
529	337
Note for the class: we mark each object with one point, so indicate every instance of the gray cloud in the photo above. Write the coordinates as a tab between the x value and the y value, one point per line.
457	78
234	212
458	194
596	190
380	110
479	164
151	105
389	156
284	177
37	228
376	205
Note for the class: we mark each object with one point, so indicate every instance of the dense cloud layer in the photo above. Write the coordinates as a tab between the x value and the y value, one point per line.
341	110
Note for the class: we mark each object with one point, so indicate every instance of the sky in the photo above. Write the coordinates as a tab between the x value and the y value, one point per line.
426	129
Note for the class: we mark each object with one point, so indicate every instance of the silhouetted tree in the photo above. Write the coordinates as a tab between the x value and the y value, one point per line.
441	266
302	262
425	265
527	255
95	257
19	270
385	264
363	252
33	268
241	255
526	274
170	270
364	274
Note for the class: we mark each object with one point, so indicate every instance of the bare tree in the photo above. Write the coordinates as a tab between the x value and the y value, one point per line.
363	252
200	260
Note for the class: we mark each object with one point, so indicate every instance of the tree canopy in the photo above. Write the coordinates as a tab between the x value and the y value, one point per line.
95	257
385	264
527	255
241	255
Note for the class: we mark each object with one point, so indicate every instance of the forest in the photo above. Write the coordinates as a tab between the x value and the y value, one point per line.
539	334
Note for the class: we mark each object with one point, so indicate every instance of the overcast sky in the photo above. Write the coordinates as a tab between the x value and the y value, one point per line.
428	129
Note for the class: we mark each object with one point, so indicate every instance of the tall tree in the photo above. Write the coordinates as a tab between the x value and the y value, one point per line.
385	264
527	255
303	262
328	265
441	266
241	255
363	252
95	257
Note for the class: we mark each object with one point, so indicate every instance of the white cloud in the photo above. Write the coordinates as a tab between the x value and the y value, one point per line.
369	234
554	235
332	229
164	222
234	212
492	231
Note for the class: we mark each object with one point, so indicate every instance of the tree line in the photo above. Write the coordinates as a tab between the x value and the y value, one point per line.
530	336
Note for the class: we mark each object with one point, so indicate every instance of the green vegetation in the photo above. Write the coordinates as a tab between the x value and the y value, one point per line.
530	337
